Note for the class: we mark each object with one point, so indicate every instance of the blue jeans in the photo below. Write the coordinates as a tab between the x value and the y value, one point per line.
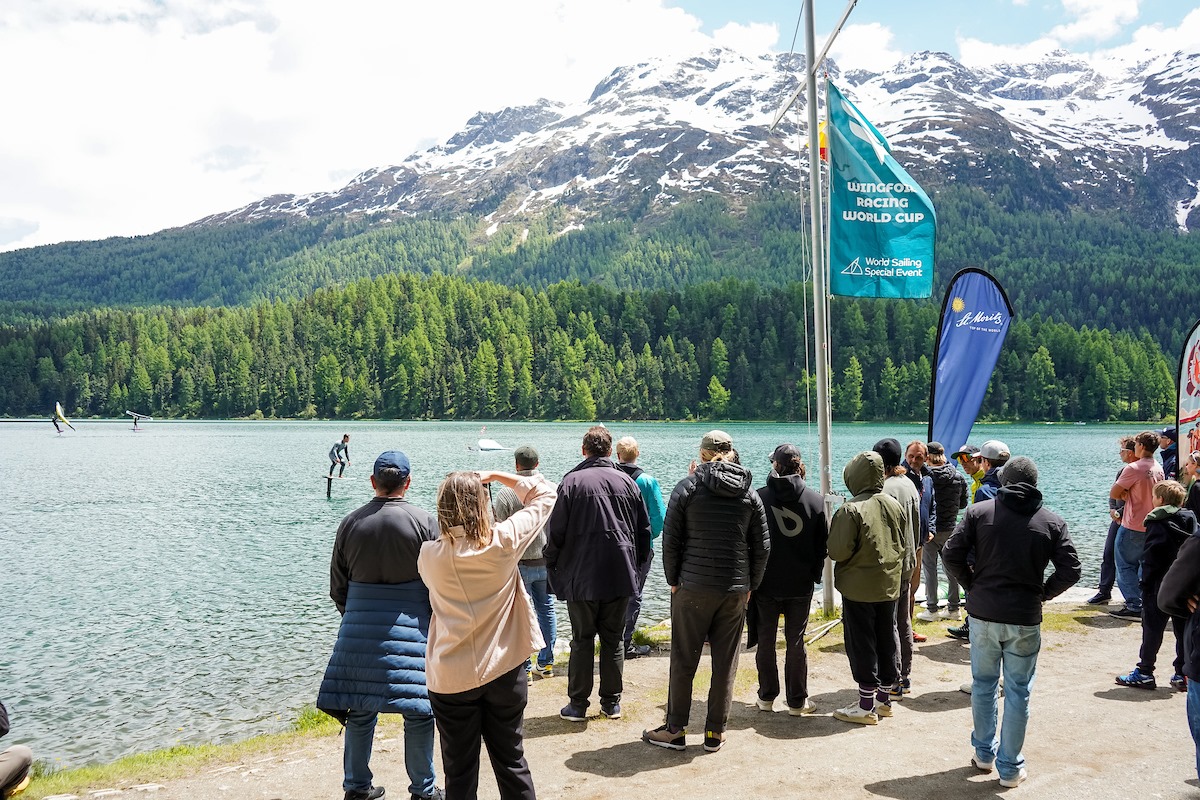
538	588
418	752
1127	553
995	645
1193	717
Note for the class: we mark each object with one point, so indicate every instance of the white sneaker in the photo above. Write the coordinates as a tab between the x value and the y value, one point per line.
966	687
765	705
1014	781
982	766
883	709
856	713
929	616
808	708
954	615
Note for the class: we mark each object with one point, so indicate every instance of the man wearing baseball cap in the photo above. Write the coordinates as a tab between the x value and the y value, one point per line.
378	661
993	455
968	457
1168	446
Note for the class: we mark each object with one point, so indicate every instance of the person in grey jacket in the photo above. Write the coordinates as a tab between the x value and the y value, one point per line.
715	547
532	565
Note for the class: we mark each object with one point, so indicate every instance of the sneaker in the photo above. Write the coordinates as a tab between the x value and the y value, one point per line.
929	616
919	637
982	766
437	794
713	741
637	650
1099	599
765	705
857	713
966	687
808	708
1137	680
546	672
1015	780
896	692
365	794
962	632
954	614
883	709
1178	682
611	710
1125	612
663	736
573	713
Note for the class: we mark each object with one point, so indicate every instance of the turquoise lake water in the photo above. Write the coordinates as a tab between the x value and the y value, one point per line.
171	585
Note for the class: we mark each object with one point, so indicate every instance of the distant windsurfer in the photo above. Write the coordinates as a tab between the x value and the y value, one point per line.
57	427
339	456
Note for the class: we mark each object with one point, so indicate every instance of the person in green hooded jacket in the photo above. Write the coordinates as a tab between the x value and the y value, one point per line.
866	544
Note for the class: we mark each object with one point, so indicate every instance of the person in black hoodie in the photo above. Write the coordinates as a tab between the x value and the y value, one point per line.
1167	527
1178	595
799	537
715	546
1014	538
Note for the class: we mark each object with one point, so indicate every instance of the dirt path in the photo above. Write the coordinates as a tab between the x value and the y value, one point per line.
1088	739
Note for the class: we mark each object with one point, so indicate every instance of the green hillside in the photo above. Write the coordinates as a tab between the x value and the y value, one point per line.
1087	270
445	347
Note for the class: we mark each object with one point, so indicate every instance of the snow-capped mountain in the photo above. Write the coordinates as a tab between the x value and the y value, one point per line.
1063	131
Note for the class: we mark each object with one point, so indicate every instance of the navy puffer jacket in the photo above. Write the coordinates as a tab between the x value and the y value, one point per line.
378	661
715	534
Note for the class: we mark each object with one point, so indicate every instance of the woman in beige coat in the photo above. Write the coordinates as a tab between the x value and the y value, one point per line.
483	629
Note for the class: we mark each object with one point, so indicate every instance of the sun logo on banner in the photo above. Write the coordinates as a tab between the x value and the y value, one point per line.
958	305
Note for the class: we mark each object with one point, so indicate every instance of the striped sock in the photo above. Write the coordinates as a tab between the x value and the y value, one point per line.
883	695
866	697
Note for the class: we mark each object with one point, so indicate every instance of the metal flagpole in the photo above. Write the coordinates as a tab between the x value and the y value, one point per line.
820	320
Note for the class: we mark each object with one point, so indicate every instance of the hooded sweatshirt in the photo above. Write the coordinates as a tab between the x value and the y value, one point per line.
1167	527
1181	582
799	535
1014	538
866	535
715	533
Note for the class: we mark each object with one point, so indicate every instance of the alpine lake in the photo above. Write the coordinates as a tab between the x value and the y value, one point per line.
170	585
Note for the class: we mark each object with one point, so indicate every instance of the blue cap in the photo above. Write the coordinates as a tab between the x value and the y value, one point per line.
393	459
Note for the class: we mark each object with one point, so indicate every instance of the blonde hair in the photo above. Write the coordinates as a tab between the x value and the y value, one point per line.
463	502
713	455
627	449
1171	493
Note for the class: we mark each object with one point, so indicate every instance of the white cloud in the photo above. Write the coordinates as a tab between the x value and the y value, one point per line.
753	39
978	53
128	116
1156	37
866	47
1095	20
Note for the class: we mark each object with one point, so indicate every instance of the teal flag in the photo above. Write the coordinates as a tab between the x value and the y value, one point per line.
881	223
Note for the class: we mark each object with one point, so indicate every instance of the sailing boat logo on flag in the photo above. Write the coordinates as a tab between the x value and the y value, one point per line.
881	223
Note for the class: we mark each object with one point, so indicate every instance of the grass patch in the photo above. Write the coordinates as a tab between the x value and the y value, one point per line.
178	761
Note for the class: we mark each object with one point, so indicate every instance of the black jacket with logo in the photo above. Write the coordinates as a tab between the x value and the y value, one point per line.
799	536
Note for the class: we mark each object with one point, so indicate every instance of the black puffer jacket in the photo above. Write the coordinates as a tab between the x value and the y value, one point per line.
1181	582
1167	527
949	495
715	535
799	536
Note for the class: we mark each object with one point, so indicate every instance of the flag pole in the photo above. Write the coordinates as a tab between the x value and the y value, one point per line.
820	320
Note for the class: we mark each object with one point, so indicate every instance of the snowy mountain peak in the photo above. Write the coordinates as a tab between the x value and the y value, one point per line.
1055	131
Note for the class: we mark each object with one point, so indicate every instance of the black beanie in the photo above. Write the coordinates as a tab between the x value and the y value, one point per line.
889	451
1019	470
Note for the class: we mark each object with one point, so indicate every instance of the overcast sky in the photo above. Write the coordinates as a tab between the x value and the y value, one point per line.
124	117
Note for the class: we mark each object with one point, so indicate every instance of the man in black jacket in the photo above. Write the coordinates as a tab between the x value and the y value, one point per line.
597	541
799	537
1178	596
1014	538
715	547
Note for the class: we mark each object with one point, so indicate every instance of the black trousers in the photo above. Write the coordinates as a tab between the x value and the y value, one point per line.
635	605
795	611
495	714
1108	566
871	641
1154	626
696	616
589	619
